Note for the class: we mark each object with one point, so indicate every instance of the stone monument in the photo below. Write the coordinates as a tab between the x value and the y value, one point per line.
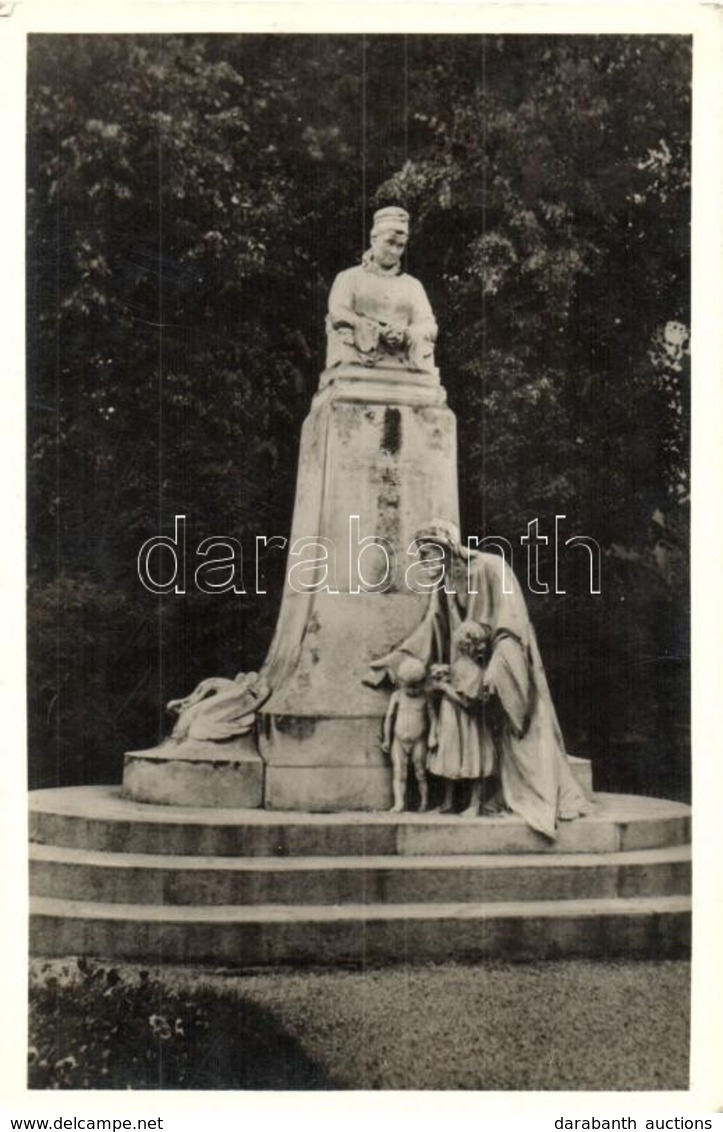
377	460
229	842
378	450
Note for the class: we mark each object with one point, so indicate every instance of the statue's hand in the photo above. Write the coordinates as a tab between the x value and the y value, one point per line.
440	672
394	336
366	335
384	669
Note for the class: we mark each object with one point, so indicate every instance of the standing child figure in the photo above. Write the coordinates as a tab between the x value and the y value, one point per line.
406	727
463	745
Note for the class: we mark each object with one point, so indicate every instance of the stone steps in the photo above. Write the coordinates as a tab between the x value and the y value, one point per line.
367	933
136	878
119	879
98	818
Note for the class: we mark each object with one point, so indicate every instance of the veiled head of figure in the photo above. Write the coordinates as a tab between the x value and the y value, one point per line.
442	533
389	236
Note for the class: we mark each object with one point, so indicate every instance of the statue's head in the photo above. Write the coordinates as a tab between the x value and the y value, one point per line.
411	673
389	235
440	547
441	533
472	638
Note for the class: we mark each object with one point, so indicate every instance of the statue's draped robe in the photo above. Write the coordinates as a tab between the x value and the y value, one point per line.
465	742
362	300
535	776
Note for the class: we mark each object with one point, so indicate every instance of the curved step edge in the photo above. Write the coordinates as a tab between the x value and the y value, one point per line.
98	818
259	936
157	879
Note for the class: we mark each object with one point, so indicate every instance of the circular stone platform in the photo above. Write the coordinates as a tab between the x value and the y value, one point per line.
119	879
98	817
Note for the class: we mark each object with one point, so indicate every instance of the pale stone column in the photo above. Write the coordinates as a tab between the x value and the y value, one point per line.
381	445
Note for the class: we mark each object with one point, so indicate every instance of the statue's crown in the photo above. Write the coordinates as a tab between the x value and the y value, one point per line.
392	217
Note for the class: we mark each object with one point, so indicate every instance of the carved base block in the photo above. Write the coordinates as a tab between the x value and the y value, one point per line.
229	774
328	789
305	741
331	789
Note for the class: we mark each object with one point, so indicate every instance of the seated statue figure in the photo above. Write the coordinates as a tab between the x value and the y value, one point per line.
378	315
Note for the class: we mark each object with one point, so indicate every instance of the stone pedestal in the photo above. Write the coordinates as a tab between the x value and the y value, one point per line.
196	773
378	459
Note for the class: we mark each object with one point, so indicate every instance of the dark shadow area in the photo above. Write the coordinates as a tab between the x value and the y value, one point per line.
102	1032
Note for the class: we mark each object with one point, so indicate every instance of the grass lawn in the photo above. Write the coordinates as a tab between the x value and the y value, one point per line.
553	1025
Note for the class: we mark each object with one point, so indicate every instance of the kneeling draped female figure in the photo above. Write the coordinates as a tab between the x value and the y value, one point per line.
535	778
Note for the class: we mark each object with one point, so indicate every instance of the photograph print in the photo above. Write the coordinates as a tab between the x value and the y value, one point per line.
358	496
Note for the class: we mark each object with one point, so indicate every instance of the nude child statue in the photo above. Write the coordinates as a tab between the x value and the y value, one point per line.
406	729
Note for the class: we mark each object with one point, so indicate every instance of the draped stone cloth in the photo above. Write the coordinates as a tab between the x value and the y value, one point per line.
536	781
219	708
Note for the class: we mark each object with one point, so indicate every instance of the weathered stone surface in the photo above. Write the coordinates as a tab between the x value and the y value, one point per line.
328	789
241	936
642	835
332	659
337	742
118	879
80	874
380	386
508	834
371	470
196	774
